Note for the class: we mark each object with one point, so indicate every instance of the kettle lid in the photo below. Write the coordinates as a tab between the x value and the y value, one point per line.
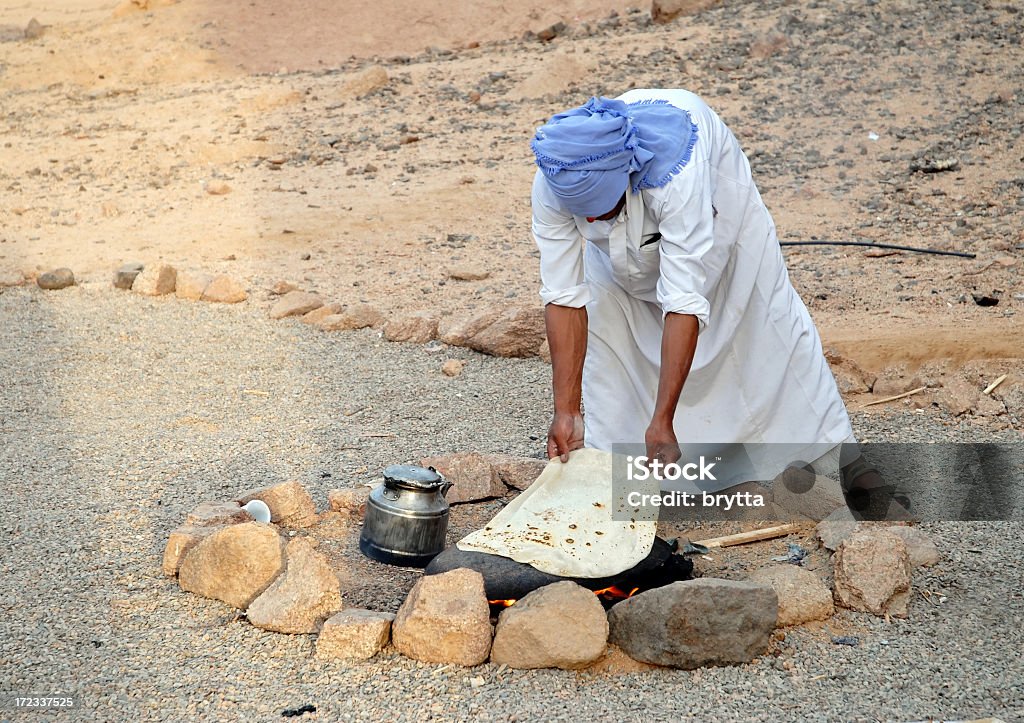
411	477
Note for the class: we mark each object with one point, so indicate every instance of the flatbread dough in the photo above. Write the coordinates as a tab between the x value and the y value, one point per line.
562	524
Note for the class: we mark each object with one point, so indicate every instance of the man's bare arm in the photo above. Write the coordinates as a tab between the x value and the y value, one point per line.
678	345
567	337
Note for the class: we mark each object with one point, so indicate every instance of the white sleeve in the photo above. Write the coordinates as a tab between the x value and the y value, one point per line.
561	250
685	221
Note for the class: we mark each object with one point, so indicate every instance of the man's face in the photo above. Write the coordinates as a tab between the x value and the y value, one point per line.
611	214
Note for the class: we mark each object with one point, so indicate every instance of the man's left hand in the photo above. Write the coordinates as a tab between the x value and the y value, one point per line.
661	443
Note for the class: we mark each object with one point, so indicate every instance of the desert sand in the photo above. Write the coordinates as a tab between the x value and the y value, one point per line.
364	150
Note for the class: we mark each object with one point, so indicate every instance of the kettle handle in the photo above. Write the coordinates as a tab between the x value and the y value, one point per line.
445	484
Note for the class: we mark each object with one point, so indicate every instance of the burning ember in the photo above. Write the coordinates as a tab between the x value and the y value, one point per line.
609	596
615	593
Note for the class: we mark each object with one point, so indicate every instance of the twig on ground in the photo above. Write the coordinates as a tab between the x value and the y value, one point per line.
895	397
993	385
741	538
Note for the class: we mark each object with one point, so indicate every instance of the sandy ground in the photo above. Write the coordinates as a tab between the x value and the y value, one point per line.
371	188
118	414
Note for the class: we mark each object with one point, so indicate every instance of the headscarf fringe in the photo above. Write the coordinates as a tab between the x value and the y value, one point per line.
680	164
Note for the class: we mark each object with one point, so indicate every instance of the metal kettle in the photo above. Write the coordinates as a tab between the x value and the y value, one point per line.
406	517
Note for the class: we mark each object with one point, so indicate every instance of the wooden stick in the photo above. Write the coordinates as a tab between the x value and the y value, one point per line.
993	385
741	538
894	398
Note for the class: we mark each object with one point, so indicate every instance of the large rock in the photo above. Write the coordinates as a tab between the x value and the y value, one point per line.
414	328
833	531
664	11
516	333
181	540
156	280
357	316
471	474
1012	396
289	502
349	501
124	277
300	599
458	332
295	303
850	382
234	564
557	626
280	288
517	472
354	634
445	619
319	314
872	573
803	596
895	380
367	81
191	285
695	623
850	377
508	332
988	406
208	514
920	548
224	289
958	396
57	279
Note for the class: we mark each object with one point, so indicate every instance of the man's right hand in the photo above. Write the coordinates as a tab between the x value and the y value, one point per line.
567	338
565	435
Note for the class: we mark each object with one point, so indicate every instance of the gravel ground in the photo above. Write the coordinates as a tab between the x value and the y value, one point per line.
118	414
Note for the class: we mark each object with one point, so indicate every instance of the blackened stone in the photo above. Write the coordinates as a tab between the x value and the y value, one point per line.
124	277
506	579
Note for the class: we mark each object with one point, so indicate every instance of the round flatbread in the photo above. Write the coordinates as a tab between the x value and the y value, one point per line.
563	523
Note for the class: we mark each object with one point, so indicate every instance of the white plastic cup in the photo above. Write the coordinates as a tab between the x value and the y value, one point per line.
258	509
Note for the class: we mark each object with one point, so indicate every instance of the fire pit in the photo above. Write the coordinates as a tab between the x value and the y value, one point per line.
506	581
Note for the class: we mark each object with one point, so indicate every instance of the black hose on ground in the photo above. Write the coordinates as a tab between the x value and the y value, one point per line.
962	254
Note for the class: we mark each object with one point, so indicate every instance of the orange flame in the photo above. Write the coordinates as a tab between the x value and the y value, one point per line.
611	593
616	592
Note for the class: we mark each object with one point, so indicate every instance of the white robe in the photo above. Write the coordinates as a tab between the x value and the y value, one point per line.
759	375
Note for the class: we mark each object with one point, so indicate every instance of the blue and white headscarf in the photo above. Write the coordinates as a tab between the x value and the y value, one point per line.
590	155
